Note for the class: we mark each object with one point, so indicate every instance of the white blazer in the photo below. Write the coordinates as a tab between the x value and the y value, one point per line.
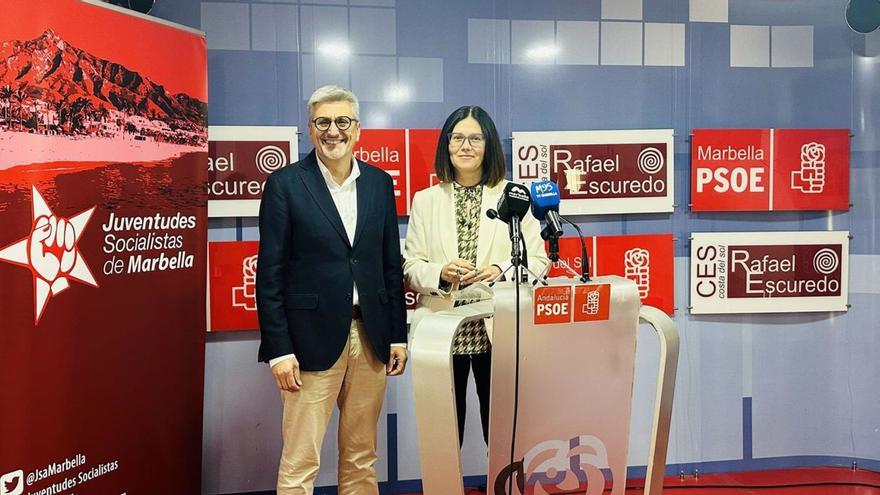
432	242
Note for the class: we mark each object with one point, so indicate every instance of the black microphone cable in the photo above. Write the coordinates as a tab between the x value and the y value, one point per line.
585	266
515	381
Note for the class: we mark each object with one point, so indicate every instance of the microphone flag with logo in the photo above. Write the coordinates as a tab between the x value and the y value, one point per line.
545	206
514	202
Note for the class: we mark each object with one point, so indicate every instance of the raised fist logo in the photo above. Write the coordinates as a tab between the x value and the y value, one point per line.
50	251
51	248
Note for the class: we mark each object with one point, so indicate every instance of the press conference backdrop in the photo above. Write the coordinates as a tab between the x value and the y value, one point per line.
754	391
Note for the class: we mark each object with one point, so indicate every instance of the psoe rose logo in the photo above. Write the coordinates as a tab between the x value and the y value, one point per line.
245	296
637	267
810	178
51	252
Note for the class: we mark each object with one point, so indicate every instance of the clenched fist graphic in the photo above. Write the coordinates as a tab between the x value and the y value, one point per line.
52	247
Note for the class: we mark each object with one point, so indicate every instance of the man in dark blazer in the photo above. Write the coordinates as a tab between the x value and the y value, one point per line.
330	297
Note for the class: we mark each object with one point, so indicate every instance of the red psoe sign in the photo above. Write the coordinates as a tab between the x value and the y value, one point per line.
406	154
648	260
552	305
232	275
770	169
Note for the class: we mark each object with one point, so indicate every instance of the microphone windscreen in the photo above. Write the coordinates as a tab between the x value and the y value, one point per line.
545	197
514	201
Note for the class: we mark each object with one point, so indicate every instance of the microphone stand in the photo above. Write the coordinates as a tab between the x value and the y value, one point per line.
519	257
553	239
519	262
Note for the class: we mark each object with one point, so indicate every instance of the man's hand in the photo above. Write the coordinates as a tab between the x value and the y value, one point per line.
396	361
286	375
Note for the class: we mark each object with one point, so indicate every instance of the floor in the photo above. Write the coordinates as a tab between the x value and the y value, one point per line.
803	481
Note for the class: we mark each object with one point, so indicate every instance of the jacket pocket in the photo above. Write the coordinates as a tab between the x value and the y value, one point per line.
302	301
383	296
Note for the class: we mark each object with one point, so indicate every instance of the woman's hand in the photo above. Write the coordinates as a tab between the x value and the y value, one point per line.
481	274
454	271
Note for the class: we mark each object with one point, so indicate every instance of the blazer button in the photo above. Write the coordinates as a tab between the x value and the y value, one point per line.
348	295
354	261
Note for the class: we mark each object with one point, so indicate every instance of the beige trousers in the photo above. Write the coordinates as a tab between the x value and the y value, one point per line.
356	383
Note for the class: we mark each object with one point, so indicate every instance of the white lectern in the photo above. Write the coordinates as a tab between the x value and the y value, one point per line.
573	396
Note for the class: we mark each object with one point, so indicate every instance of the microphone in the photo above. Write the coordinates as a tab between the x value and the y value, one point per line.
514	202
511	208
545	206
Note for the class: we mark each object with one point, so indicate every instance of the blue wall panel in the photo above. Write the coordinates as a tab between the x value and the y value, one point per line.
797	389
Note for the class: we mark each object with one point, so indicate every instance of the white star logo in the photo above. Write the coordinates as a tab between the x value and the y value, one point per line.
51	253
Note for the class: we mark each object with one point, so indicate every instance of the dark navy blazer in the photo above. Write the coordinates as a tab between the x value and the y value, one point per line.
306	266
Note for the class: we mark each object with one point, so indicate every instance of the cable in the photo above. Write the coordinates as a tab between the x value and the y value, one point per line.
516	267
585	265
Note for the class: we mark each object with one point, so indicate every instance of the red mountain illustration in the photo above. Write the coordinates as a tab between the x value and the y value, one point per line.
51	70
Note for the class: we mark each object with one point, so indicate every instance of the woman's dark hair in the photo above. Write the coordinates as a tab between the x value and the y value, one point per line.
493	157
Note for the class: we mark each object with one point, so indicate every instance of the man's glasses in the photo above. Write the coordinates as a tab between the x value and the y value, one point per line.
457	140
342	123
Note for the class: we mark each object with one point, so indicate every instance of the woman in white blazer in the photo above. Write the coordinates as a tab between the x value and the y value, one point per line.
451	243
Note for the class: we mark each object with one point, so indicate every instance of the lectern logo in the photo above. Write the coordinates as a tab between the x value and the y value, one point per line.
568	466
51	252
245	296
592	306
592	302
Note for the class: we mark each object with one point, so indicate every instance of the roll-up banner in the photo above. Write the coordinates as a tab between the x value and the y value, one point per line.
600	171
770	169
769	272
103	227
239	160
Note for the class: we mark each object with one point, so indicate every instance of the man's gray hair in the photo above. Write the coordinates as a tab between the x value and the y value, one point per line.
333	93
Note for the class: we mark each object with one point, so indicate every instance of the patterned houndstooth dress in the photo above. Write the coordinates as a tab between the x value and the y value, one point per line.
472	339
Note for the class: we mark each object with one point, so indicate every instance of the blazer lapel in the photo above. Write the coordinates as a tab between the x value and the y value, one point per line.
317	188
488	226
449	242
365	193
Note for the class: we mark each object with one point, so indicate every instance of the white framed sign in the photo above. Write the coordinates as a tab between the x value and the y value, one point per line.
240	158
769	272
627	171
